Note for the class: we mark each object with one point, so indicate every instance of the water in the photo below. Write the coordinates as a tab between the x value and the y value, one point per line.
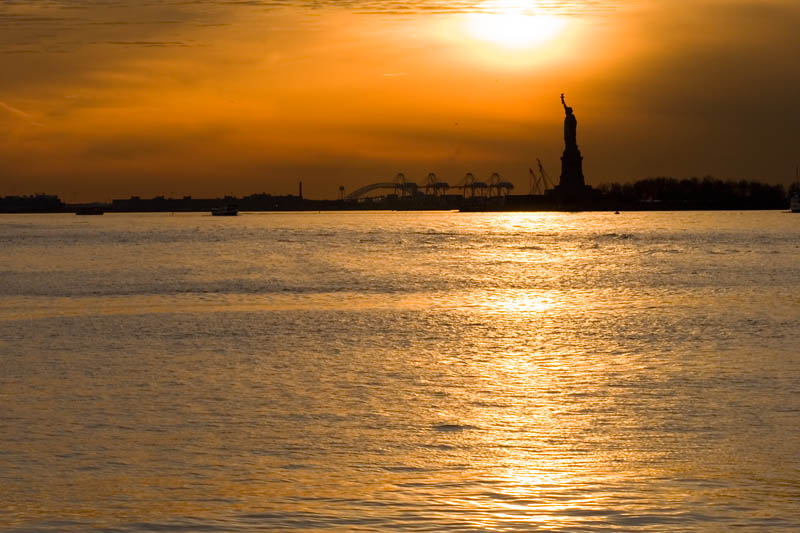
418	371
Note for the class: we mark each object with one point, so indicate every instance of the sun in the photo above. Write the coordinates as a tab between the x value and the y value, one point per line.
513	25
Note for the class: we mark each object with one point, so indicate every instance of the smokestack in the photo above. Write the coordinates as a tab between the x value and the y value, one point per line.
301	189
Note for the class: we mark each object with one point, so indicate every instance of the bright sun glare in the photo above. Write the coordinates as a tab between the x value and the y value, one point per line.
514	24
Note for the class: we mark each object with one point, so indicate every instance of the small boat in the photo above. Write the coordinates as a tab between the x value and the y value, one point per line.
229	210
794	203
89	210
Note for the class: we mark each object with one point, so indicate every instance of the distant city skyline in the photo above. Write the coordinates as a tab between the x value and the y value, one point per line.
102	101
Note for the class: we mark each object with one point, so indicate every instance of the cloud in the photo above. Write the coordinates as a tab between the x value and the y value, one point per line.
18	113
265	91
14	111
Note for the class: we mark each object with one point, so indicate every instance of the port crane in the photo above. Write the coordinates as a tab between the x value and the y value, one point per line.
475	188
540	183
406	188
434	187
432	184
499	186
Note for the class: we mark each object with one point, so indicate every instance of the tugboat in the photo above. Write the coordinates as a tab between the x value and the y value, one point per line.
229	210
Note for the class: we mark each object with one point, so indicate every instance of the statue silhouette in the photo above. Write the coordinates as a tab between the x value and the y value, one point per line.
570	126
571	182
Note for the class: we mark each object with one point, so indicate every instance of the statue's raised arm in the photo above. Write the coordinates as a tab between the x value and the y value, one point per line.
563	102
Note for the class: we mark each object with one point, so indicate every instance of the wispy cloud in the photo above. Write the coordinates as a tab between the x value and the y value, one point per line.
18	113
14	110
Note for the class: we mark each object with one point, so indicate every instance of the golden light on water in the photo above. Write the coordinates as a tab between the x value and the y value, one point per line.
503	371
519	302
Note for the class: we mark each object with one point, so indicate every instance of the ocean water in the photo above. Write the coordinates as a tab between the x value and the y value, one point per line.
406	371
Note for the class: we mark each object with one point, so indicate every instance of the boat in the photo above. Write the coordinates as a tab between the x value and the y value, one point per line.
89	210
229	210
794	203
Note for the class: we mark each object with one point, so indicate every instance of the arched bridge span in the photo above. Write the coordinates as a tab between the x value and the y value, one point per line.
396	187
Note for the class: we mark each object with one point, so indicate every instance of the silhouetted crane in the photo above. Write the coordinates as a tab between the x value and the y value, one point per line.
540	183
500	187
475	188
405	187
438	187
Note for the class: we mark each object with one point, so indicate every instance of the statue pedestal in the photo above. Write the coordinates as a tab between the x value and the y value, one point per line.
571	171
572	193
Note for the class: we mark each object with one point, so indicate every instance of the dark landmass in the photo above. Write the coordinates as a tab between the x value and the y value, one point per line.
707	193
36	203
650	194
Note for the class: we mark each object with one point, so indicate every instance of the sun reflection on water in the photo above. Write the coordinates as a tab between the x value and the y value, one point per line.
400	370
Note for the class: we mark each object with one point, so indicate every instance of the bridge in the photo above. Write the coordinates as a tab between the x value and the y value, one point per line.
399	185
434	187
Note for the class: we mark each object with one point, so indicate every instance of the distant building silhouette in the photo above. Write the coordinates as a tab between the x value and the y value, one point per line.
37	203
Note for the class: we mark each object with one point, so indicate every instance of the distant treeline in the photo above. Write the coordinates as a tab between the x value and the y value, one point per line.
34	203
698	193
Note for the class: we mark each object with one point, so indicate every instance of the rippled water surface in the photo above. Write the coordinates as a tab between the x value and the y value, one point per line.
419	371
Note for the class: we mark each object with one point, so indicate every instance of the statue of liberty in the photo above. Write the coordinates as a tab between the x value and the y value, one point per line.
571	181
570	126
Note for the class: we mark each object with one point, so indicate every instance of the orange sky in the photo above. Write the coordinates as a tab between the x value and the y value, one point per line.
213	97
